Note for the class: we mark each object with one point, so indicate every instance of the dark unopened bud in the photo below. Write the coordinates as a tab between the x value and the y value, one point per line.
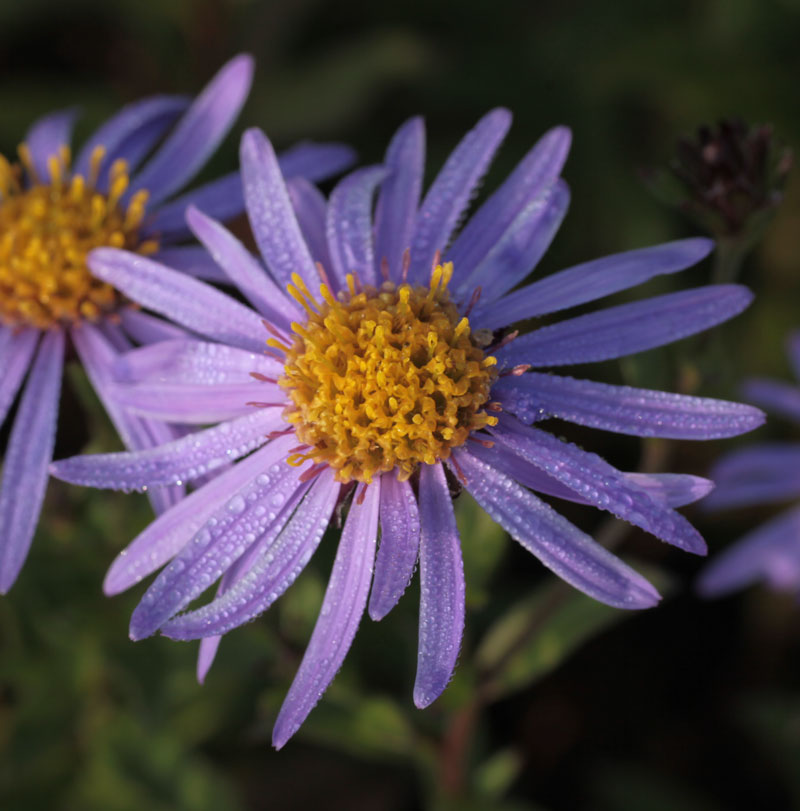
729	178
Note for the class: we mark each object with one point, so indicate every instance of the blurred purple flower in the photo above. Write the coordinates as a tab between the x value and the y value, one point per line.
381	379
765	473
52	212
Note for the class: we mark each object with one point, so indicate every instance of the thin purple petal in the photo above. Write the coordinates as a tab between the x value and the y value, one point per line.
559	545
316	162
199	131
349	227
16	351
773	396
46	137
593	280
189	302
441	572
398	200
30	449
451	191
147	329
310	209
626	410
342	608
628	328
194	260
399	547
206	656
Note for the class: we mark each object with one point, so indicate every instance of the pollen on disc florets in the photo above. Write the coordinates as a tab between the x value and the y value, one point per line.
383	378
47	228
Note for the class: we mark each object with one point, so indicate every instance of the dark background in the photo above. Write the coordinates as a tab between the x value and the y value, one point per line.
692	705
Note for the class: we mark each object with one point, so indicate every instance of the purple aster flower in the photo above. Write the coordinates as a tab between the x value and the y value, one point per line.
765	473
388	373
53	211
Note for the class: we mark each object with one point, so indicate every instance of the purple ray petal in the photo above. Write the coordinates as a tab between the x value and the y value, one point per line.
451	191
349	227
399	195
30	449
193	404
192	259
757	474
260	508
441	574
189	302
771	551
627	328
532	177
598	482
671	489
626	410
147	329
593	280
270	212
170	532
559	545
342	608
221	199
774	396
199	131
132	132
16	351
316	162
181	460
310	207
399	547
46	136
269	574
519	248
193	362
98	356
206	656
244	270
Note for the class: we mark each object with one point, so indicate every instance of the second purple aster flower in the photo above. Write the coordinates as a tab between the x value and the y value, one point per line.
388	364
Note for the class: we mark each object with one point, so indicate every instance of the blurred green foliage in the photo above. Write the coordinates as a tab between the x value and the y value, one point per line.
689	706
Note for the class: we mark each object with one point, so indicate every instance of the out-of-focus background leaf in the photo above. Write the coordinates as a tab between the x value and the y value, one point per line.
689	706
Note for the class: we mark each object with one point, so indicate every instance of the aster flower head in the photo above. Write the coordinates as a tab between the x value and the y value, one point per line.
389	371
118	191
763	473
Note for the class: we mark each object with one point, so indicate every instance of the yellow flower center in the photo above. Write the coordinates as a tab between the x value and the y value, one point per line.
48	228
383	378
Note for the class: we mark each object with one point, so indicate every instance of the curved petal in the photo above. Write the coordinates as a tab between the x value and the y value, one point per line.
399	547
46	136
206	656
172	530
184	459
270	574
518	250
189	302
198	133
771	552
16	351
270	212
192	259
342	608
531	179
190	362
147	329
260	508
593	280
774	396
626	410
399	195
98	356
310	206
441	574
598	482
244	270
627	328
451	191
349	227
30	449
559	545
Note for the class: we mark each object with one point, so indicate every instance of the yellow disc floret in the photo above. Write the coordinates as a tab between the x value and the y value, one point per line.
47	228
383	378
